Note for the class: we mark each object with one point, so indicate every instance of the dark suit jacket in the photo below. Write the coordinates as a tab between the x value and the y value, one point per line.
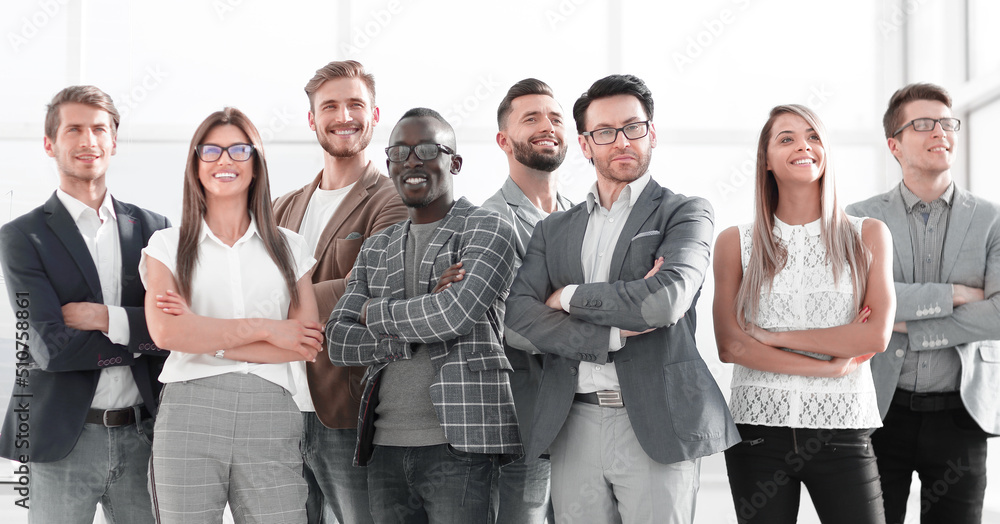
369	207
971	256
45	257
673	402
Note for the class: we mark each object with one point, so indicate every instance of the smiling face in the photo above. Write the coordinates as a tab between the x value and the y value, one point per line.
924	152
225	177
795	152
84	143
424	185
623	160
535	133
343	116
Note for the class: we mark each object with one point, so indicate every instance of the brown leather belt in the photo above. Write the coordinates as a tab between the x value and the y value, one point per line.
606	399
927	401
114	418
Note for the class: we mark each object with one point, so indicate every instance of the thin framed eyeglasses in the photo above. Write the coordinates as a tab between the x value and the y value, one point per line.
399	153
608	135
212	152
927	124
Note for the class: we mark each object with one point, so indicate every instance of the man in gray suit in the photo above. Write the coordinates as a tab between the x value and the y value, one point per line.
533	135
938	382
607	291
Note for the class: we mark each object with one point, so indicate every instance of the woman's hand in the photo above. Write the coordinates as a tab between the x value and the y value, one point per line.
760	334
841	367
173	304
303	337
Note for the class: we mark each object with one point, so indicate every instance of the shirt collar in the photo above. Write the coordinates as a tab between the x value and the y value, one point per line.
784	230
206	232
910	200
77	208
630	192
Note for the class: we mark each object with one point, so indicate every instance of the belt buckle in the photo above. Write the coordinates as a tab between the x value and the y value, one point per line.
104	418
108	424
610	399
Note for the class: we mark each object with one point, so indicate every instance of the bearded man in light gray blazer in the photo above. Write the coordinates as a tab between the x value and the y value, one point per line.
938	382
607	292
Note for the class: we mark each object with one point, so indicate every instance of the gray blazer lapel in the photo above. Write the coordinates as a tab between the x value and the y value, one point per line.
395	255
896	220
643	208
962	210
65	229
570	245
449	225
131	245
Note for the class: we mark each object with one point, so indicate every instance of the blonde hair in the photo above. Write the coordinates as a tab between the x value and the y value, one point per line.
767	256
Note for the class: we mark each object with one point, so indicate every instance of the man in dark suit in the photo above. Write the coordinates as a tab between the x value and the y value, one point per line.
424	309
938	382
80	416
607	291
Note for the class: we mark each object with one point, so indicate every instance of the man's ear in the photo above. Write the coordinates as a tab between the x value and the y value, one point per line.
652	135
48	145
504	142
376	115
585	147
312	120
456	164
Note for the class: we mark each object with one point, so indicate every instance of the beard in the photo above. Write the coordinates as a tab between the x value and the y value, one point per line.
525	153
626	175
347	150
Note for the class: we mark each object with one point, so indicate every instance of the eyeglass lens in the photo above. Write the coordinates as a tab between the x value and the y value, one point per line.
399	153
608	135
212	152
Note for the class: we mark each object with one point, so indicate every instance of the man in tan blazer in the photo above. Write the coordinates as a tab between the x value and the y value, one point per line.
346	203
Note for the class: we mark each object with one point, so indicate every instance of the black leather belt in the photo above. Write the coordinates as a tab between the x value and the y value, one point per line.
927	401
607	398
114	418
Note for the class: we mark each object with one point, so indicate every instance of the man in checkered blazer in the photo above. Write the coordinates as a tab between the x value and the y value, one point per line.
424	309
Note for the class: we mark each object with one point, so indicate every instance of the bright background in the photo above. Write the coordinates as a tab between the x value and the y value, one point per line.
715	68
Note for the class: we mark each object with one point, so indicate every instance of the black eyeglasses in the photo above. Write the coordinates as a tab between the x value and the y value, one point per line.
399	153
927	124
608	135
212	152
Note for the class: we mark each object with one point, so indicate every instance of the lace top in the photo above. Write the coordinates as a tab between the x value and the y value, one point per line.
803	296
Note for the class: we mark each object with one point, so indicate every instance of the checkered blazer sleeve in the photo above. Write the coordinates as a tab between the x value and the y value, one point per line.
486	250
350	343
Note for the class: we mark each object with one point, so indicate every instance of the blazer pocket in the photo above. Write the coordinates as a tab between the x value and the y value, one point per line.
989	350
644	234
346	251
698	410
642	252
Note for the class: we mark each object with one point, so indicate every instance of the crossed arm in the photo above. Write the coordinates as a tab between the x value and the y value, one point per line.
174	326
849	344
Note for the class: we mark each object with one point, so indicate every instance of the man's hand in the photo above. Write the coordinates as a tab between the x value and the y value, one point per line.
86	316
961	295
452	274
555	300
626	333
656	268
899	327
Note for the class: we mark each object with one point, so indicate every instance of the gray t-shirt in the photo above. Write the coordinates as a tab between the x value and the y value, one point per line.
405	415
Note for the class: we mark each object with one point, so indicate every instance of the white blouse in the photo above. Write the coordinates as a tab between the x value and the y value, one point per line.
804	296
230	282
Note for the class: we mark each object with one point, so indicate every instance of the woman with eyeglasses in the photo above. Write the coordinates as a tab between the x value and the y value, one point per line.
803	298
229	294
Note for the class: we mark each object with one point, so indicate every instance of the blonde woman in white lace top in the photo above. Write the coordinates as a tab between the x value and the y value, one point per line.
803	298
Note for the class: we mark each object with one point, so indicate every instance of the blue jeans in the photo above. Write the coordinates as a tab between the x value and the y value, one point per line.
107	466
524	492
767	470
338	491
430	484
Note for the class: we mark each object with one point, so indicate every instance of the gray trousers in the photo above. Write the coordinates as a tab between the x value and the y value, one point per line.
230	438
601	474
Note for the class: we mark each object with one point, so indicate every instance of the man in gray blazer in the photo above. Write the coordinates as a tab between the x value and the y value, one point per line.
938	382
607	291
533	135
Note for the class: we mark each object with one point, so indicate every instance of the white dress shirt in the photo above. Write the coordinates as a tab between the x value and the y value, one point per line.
322	205
230	282
115	388
603	230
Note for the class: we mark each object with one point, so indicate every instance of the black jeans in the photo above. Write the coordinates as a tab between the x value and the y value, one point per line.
947	449
837	466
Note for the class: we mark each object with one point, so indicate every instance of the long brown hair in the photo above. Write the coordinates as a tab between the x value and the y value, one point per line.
258	202
767	256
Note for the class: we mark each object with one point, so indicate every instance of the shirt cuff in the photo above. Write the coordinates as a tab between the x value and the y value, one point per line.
566	296
616	341
118	330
